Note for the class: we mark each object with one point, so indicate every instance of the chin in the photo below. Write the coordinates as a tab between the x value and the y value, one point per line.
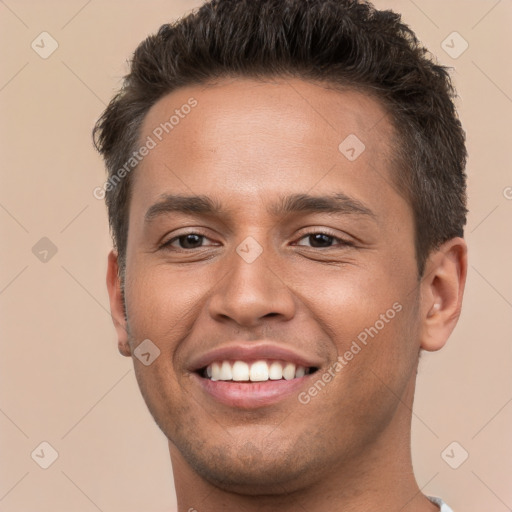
251	468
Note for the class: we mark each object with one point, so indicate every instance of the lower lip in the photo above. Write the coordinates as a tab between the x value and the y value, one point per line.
251	395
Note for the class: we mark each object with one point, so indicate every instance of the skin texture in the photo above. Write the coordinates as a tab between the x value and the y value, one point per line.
246	144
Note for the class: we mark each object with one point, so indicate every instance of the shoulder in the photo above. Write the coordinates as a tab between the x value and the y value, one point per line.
442	505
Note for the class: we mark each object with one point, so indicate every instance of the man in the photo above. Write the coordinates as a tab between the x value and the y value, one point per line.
286	194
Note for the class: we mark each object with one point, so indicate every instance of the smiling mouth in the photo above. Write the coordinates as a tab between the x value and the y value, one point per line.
261	370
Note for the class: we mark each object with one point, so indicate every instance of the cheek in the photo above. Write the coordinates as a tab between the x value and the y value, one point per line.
162	306
371	318
163	303
349	298
379	358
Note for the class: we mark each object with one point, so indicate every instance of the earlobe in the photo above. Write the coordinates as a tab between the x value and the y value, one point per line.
442	289
116	304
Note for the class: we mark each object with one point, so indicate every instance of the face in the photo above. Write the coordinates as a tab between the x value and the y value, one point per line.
285	247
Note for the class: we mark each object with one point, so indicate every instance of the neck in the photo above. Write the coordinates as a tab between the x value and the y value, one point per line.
380	478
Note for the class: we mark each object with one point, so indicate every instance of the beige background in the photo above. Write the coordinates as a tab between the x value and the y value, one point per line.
62	379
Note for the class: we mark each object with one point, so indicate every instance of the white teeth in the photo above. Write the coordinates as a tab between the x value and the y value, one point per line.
240	371
289	371
259	371
275	372
215	371
225	371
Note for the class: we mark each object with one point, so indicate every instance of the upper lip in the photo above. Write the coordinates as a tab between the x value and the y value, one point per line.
253	351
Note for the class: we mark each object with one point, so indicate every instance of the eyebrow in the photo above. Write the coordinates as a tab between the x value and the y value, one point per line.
199	205
335	203
295	203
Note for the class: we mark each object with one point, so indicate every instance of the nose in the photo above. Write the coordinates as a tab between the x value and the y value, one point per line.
251	293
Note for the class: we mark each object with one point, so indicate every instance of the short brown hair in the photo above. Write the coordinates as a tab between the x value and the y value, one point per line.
344	43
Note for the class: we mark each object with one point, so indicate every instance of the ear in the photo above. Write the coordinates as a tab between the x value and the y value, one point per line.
442	288
116	304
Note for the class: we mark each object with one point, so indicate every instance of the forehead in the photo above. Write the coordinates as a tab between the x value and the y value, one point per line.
254	138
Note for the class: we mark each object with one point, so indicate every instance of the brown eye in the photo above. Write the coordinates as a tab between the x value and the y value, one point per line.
321	240
190	241
186	241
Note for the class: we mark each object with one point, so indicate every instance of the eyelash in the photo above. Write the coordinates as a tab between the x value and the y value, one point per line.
167	245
